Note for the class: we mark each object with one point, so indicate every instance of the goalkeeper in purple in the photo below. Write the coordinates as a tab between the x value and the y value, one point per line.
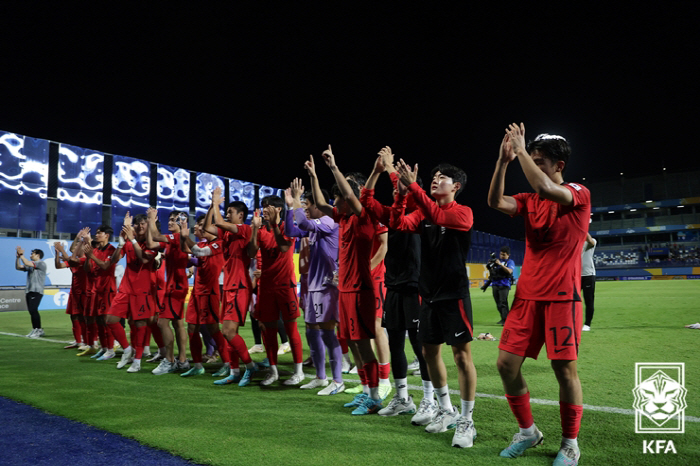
321	311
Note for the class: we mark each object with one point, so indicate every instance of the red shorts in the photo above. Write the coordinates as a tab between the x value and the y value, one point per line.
235	305
172	307
357	314
76	304
203	309
277	303
90	305
101	302
379	295
135	307
530	324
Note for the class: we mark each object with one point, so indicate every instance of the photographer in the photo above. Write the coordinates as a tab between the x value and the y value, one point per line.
500	279
36	275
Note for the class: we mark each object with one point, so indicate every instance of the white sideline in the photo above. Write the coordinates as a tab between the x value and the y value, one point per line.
538	401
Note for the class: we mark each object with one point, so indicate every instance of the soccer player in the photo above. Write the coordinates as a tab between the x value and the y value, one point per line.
277	295
105	286
321	300
134	299
588	279
172	307
75	307
357	295
235	236
546	308
446	315
402	303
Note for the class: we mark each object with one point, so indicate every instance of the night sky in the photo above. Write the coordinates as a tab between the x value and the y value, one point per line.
250	91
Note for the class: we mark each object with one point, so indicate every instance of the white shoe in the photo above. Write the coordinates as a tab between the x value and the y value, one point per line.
384	390
39	332
464	434
427	410
182	366
284	349
147	353
333	388
346	366
83	347
109	354
157	358
315	383
353	370
165	367
586	328
271	377
256	349
443	421
414	365
135	367
398	405
295	379
32	333
127	358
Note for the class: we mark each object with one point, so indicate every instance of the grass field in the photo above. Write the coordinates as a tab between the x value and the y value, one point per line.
634	322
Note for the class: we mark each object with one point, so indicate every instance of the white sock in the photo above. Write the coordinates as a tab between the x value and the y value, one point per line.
198	365
136	361
569	442
365	389
467	409
298	368
273	371
250	365
529	431
402	388
236	371
428	390
374	393
443	397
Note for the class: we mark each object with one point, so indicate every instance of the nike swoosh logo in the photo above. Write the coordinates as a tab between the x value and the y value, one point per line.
458	334
559	350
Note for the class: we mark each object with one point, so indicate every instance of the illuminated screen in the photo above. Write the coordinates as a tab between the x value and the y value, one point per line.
243	191
131	185
173	187
24	172
206	183
270	191
80	183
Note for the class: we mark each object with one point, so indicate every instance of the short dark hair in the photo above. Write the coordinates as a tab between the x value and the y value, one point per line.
456	173
552	147
335	190
309	196
200	218
272	200
239	206
358	177
506	249
140	218
106	229
178	214
38	251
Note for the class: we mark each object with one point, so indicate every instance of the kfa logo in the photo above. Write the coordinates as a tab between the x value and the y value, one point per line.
659	398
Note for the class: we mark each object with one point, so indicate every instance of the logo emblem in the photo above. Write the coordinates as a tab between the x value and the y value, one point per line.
659	398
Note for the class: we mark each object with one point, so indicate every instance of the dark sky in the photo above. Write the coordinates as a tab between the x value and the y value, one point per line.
250	91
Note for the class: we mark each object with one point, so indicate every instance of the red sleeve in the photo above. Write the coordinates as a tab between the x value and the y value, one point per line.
457	217
521	201
399	221
378	212
581	194
215	247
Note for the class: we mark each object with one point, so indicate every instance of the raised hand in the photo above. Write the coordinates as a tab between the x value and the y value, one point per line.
216	196
151	214
273	215
406	175
19	250
184	229
256	222
378	165
128	219
297	189
127	231
505	152
516	135
288	197
310	167
387	158
329	158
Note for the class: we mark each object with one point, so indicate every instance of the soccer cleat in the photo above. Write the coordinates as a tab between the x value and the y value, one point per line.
353	370
73	345
89	350
521	442
165	367
308	362
427	410
384	390
333	388
109	354
135	367
465	434
357	401
264	363
247	377
354	390
567	456
284	349
209	358
256	349
127	358
83	347
414	365
157	358
369	406
398	405
31	334
194	371
443	421
269	379
147	352
233	378
315	383
346	366
295	379
586	328
98	354
223	372
39	333
182	366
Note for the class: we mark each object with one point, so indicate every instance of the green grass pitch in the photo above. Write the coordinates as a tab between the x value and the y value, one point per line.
192	418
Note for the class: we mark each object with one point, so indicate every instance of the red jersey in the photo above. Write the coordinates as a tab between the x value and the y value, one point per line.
105	280
79	280
176	262
277	270
379	271
207	279
236	257
137	275
554	236
355	251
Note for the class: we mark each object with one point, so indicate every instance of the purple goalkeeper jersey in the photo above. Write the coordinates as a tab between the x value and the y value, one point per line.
323	244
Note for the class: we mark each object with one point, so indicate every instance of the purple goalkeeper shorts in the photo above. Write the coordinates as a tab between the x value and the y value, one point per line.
322	306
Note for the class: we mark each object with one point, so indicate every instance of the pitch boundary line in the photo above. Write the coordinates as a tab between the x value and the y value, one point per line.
538	401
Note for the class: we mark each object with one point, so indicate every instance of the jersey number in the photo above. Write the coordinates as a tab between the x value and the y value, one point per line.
566	342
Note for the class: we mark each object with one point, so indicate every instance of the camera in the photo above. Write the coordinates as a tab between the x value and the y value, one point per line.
496	272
